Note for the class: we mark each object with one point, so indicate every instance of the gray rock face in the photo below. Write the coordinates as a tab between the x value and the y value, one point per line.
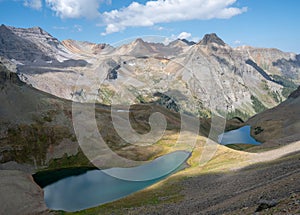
20	195
17	47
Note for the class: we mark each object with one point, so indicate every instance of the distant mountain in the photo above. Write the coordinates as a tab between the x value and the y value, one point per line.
137	48
210	73
182	45
87	48
140	48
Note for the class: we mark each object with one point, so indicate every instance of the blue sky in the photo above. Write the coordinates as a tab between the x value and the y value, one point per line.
260	23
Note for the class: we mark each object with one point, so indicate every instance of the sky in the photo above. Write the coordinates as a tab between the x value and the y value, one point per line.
259	23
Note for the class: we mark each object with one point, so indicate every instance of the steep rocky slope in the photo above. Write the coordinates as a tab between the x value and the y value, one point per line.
280	125
35	126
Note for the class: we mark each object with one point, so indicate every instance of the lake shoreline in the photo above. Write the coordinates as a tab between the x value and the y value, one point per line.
42	179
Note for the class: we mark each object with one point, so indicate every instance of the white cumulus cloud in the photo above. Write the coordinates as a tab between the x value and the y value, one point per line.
75	8
34	4
163	11
184	35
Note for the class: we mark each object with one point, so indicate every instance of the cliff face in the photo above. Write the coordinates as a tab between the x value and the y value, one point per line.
206	74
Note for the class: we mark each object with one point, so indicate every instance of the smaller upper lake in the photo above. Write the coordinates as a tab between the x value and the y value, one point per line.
238	136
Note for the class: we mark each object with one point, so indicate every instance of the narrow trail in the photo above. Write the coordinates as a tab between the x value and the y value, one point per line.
274	154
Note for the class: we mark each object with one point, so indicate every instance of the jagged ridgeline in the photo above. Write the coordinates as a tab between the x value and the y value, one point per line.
241	81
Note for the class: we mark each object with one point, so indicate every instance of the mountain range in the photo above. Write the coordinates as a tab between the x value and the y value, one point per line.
209	74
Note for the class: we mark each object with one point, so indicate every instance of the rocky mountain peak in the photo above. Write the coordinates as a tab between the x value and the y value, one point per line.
138	43
138	48
32	45
139	40
211	38
30	32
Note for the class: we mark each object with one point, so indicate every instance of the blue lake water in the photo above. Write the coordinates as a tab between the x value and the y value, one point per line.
95	187
238	136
